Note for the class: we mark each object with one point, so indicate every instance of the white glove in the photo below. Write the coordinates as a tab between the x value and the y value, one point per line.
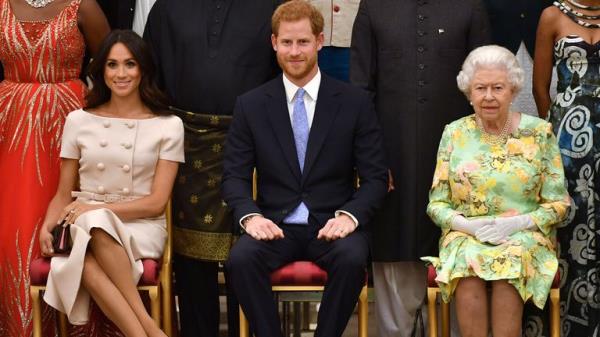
469	226
501	228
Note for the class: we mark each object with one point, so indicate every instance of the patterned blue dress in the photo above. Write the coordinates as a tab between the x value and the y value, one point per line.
575	116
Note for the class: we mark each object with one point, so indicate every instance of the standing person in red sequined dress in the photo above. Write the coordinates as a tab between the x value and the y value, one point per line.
42	43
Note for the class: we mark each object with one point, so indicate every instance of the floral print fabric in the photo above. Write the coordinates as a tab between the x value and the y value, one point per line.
476	179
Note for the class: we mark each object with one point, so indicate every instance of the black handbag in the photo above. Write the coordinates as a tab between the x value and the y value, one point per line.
61	239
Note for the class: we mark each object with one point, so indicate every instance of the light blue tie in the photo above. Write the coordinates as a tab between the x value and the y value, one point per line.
301	130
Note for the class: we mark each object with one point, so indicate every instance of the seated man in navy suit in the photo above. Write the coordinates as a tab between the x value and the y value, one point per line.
307	135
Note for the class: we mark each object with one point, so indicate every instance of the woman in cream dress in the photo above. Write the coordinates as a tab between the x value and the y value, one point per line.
124	149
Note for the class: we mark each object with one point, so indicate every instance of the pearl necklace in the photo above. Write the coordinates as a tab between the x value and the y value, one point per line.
492	139
38	3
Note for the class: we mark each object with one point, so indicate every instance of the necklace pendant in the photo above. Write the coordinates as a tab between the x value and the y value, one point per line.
38	3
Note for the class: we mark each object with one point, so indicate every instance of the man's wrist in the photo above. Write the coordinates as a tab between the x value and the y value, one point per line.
354	220
246	218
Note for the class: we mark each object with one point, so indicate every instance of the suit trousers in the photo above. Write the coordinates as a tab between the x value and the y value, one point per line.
198	293
252	261
400	289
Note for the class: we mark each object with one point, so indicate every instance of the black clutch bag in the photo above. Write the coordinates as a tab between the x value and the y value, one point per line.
61	239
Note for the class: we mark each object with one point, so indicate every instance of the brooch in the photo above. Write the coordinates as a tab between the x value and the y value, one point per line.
526	132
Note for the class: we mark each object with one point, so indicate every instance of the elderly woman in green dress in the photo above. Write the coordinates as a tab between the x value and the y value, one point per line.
498	193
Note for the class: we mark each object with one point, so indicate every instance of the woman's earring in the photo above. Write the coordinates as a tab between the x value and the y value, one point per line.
470	103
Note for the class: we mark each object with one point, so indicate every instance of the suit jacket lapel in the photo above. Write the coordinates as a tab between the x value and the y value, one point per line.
279	118
325	112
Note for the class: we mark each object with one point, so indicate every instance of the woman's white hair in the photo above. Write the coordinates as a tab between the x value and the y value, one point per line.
494	57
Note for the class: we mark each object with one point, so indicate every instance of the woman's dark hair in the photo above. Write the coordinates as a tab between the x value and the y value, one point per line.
150	94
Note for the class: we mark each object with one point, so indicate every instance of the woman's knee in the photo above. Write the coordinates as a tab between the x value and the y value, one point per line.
100	238
471	288
505	290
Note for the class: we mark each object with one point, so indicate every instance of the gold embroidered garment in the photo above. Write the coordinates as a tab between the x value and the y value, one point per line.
42	62
202	222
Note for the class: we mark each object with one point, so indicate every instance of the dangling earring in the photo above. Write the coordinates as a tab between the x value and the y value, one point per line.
470	103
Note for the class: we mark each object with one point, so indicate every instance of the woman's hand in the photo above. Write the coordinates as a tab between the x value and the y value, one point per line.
46	241
503	227
469	226
74	210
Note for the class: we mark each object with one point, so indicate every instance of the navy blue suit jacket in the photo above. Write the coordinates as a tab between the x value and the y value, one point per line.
345	139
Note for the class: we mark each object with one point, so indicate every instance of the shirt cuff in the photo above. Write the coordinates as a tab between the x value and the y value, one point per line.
244	217
339	211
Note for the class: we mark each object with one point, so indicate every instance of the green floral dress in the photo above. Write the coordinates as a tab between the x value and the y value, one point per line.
476	179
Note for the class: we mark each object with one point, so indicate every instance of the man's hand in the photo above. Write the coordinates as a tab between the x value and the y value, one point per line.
337	228
261	228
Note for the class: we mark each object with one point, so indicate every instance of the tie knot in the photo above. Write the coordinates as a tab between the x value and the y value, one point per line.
300	94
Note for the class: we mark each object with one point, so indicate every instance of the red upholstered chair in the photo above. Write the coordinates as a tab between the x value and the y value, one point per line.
433	290
306	276
302	276
156	280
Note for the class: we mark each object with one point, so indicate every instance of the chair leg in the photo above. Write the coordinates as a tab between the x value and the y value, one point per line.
154	304
363	312
445	318
297	318
244	326
432	311
34	291
554	312
167	307
305	316
63	324
286	319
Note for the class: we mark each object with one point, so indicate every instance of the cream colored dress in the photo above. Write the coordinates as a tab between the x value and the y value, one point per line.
117	158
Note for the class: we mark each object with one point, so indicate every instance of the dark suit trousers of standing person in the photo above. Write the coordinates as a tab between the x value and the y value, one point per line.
198	296
252	261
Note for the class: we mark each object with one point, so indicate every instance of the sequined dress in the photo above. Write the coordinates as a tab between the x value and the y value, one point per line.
42	62
575	116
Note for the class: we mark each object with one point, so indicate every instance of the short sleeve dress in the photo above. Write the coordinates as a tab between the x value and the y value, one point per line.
117	161
476	179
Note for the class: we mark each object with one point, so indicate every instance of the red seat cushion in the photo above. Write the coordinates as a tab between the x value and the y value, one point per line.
151	272
556	281
299	273
431	275
39	269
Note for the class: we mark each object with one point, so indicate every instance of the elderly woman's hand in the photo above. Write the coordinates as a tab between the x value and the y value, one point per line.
469	226
502	228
